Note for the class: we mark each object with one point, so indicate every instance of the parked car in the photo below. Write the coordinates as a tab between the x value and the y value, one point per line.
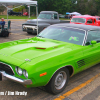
25	14
61	16
49	59
97	17
11	12
45	19
85	19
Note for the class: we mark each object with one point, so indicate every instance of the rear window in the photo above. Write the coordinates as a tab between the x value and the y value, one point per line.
78	20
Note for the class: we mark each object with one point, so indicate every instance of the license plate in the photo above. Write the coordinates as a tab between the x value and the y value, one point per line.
0	76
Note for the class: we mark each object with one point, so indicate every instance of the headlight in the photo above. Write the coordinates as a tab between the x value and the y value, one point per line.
19	70
25	73
23	26
35	27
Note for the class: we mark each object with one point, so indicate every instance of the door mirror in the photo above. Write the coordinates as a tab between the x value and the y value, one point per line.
93	42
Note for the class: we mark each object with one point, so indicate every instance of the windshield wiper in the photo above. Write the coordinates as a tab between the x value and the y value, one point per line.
55	39
41	36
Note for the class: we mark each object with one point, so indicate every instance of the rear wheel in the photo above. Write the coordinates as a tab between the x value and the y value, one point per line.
58	82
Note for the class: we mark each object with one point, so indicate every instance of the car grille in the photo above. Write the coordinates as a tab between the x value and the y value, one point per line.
6	68
29	29
81	63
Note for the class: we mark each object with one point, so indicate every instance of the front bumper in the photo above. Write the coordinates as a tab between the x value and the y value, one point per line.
3	75
31	29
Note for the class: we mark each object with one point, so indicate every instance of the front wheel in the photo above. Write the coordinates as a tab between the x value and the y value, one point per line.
58	82
29	32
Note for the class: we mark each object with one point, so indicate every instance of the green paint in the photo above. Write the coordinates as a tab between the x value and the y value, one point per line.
53	56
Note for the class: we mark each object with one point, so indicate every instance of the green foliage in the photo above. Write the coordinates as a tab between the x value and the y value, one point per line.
61	6
73	1
20	8
91	7
2	8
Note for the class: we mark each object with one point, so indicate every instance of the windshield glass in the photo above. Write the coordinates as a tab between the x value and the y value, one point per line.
45	16
78	20
69	35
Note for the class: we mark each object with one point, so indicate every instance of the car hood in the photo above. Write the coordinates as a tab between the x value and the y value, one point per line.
34	21
21	51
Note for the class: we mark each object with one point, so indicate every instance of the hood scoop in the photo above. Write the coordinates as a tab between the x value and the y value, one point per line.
40	48
44	48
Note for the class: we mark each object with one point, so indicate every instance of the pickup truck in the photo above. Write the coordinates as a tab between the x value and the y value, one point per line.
86	19
44	19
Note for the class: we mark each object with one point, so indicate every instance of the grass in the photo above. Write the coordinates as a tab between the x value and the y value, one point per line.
17	17
23	17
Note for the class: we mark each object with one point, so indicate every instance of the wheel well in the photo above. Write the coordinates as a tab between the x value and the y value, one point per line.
71	70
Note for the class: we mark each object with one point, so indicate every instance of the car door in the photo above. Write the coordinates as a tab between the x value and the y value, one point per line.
91	52
90	22
55	19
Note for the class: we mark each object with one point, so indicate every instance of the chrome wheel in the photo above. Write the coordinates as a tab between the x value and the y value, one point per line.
60	80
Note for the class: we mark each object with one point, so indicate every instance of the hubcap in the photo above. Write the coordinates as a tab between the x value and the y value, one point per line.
60	80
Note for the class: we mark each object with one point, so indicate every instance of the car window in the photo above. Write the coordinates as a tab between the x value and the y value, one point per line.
54	16
45	16
89	21
78	20
69	35
94	20
93	35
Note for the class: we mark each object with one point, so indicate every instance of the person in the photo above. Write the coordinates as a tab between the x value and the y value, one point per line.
2	22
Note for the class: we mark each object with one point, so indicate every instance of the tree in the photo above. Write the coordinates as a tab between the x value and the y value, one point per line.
61	6
2	8
18	9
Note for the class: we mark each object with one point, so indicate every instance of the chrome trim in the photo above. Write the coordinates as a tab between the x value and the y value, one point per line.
28	26
88	31
85	38
9	66
13	78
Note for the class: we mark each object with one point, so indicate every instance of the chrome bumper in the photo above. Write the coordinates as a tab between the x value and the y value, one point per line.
13	78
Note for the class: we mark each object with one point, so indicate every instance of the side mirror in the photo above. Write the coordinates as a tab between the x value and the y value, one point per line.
93	42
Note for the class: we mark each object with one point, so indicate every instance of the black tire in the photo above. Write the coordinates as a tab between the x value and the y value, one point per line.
58	82
32	33
29	32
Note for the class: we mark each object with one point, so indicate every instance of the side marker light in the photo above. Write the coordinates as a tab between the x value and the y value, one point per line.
43	74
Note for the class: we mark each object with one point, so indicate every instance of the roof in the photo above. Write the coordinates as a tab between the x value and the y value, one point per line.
48	12
79	26
84	16
18	2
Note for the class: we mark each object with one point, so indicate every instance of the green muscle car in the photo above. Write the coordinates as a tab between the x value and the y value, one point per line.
50	58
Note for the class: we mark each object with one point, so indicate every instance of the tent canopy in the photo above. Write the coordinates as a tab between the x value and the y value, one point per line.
7	3
67	12
17	2
20	2
75	13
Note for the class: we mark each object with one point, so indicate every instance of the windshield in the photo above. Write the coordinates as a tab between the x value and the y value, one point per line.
78	20
45	16
69	35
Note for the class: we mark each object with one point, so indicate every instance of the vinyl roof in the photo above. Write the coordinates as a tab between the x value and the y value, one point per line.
79	26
